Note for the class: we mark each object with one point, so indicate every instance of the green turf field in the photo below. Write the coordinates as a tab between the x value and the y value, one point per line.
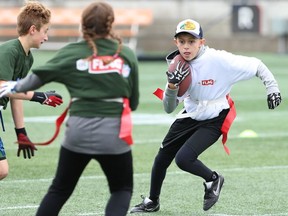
256	172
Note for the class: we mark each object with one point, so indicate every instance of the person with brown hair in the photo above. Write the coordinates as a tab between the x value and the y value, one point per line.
33	23
101	76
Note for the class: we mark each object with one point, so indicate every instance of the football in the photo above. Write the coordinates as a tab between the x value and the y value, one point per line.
184	85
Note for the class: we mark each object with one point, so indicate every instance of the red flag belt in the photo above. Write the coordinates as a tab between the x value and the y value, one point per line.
58	124
226	124
125	127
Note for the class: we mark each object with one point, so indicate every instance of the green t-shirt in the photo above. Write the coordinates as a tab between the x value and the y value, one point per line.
14	63
92	85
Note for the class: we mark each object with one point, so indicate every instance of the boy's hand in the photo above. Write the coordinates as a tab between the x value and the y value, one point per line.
177	76
23	144
274	100
7	88
50	98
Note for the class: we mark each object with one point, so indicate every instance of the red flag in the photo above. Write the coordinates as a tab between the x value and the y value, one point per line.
126	123
58	123
228	122
159	93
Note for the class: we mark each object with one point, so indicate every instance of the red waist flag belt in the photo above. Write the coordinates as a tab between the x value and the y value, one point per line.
227	122
58	124
125	127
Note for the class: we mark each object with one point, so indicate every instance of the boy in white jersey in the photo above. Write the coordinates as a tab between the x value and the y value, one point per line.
208	110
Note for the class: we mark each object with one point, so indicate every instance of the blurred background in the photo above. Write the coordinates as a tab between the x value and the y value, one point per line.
232	25
258	162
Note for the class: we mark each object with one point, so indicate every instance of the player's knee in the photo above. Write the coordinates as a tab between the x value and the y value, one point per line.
185	158
3	174
162	160
181	162
4	169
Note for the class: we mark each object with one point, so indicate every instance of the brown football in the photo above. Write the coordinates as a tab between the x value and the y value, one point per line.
184	85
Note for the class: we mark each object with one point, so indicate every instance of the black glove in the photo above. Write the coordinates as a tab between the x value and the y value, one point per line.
273	100
177	76
49	98
28	149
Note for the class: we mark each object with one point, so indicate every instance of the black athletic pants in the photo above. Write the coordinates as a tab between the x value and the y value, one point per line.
117	168
185	141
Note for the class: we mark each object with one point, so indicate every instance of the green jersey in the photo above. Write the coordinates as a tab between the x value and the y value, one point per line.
15	64
96	89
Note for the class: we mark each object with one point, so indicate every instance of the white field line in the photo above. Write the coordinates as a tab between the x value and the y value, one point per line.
140	175
164	119
278	214
19	207
55	144
95	214
138	119
150	119
90	213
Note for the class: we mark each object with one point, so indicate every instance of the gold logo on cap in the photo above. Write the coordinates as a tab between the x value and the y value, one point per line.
188	26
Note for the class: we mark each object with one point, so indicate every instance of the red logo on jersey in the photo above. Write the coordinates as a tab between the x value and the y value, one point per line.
208	82
97	66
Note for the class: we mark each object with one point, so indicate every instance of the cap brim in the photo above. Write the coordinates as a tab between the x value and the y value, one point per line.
191	33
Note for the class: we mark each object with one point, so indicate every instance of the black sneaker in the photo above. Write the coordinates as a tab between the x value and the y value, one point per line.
212	192
147	205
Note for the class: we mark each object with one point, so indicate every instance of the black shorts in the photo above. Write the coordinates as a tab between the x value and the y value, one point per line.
199	135
2	151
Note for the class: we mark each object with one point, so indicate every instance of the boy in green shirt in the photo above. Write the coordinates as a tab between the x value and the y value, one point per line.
16	58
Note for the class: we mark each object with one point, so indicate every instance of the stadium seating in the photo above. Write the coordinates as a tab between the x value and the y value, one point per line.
65	23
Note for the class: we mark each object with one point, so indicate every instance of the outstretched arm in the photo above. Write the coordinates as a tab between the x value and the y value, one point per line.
22	96
273	93
13	90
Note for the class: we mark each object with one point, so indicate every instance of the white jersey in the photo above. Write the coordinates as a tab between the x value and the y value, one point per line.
213	74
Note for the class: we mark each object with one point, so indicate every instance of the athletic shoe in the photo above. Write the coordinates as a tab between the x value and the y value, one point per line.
147	205
212	192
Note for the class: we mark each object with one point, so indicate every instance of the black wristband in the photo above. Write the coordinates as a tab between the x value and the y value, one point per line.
38	97
20	131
